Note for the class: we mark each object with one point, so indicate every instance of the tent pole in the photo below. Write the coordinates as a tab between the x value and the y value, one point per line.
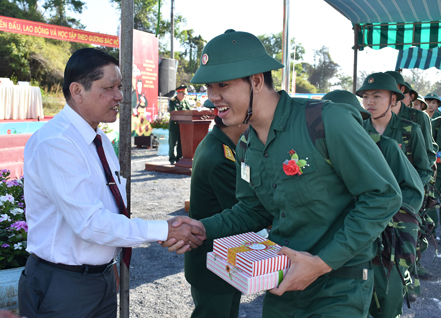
354	76
285	47
125	140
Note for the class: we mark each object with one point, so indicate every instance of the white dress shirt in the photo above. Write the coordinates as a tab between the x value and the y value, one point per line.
72	215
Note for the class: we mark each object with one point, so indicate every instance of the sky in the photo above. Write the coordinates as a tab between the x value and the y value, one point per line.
313	23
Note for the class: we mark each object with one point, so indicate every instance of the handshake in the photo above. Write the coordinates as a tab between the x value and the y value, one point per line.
184	234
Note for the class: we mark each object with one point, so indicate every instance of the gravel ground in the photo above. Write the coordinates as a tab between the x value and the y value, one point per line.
158	288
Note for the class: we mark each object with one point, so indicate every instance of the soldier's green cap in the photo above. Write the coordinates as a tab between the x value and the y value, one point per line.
233	55
421	99
208	104
380	81
399	79
345	97
412	91
431	96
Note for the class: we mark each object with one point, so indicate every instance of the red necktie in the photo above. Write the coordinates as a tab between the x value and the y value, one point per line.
126	251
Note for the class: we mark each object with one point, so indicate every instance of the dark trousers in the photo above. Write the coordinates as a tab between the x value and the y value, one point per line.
174	138
46	291
209	305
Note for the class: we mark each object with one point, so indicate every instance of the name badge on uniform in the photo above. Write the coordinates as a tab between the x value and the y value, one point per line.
245	172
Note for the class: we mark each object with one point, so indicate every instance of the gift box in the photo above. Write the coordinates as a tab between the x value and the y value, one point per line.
241	280
251	253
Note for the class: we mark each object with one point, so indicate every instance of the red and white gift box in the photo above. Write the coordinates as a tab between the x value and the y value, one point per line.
251	253
241	280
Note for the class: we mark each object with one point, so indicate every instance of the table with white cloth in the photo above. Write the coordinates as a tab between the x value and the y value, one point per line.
20	102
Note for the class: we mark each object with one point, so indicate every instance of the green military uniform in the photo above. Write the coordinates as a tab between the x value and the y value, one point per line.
436	125
394	130
434	96
389	295
423	120
213	184
174	133
306	213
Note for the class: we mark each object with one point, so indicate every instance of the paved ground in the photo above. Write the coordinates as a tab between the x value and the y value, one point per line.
158	285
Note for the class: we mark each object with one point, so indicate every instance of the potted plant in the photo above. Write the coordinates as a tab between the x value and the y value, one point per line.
13	238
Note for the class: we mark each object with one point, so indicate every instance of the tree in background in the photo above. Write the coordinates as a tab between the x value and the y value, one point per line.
57	11
29	58
418	81
323	70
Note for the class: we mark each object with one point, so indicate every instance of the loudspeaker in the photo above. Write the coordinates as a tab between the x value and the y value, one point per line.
167	77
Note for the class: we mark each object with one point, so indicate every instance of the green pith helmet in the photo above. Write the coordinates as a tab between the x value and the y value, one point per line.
421	99
345	97
380	81
431	96
412	91
399	79
209	104
233	55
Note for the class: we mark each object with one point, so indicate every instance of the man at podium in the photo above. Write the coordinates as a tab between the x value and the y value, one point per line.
177	103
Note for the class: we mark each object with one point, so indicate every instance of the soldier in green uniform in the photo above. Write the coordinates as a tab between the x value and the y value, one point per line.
389	291
423	120
420	104
213	186
433	102
436	125
379	92
177	103
410	97
416	116
326	213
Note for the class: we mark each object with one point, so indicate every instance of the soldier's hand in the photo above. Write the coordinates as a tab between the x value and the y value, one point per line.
184	234
305	269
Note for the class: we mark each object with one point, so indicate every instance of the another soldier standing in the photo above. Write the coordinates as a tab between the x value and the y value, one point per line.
433	102
177	103
390	290
213	187
421	105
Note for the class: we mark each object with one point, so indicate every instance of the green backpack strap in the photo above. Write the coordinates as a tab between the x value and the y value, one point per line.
406	132
316	128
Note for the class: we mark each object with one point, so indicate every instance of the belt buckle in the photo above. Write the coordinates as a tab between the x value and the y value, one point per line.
365	274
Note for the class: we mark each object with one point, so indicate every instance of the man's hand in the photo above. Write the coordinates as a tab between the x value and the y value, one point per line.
305	269
184	234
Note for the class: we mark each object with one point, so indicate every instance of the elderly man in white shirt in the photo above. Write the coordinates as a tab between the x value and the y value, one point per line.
74	209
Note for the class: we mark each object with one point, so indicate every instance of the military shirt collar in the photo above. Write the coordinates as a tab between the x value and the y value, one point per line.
394	123
217	132
404	111
280	118
282	112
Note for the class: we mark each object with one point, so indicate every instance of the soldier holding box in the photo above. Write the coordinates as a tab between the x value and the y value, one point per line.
284	181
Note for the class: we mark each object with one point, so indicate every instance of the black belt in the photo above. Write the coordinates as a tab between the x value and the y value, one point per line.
359	271
92	269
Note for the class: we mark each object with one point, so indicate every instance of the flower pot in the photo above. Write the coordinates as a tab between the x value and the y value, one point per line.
163	141
9	287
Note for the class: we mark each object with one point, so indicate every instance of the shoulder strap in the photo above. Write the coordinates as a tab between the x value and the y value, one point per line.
316	128
406	132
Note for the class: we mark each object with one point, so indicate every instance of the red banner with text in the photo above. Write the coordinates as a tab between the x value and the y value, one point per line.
56	32
144	82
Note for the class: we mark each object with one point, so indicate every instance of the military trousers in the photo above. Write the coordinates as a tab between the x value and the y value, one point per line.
174	140
391	304
326	297
208	305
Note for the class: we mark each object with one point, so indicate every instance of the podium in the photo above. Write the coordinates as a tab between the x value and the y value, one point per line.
193	125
